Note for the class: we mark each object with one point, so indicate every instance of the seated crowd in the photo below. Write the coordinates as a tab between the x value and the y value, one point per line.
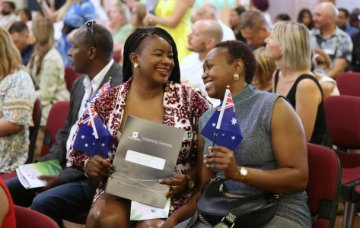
170	63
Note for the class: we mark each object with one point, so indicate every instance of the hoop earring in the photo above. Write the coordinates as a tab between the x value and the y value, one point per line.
236	77
136	65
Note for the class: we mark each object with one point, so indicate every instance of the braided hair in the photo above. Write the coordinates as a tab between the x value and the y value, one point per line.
134	41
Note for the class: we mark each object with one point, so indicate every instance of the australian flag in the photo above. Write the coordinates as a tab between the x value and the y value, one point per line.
223	127
93	137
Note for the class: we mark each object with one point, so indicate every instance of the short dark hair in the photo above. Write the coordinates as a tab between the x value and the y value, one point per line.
11	4
239	50
252	19
239	9
103	39
134	41
18	26
283	17
346	12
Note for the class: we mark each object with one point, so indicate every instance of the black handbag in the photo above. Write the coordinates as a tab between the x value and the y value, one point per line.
224	210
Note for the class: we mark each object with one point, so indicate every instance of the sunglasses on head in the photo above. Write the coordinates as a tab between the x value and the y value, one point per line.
90	27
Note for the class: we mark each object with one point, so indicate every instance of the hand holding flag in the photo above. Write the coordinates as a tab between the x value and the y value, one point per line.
223	127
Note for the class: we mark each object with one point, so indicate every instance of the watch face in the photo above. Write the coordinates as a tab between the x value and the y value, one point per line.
243	171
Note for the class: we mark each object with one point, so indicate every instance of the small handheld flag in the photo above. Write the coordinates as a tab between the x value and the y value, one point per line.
223	127
93	137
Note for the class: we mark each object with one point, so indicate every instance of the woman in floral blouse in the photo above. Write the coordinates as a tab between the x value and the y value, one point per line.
151	91
17	96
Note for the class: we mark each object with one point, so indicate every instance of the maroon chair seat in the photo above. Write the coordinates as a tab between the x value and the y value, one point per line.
349	83
350	175
26	218
343	124
323	193
54	123
70	77
117	57
321	223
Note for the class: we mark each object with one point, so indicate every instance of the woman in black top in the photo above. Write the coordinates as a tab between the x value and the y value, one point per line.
289	46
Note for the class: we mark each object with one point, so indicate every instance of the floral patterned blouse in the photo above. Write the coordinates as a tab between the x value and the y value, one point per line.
182	107
17	97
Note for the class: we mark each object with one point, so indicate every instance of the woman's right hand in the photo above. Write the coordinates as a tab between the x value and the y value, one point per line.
98	166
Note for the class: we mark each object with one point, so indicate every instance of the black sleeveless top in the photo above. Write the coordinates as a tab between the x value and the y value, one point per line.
319	133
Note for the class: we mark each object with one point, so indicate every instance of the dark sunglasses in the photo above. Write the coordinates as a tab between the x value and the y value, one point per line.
90	27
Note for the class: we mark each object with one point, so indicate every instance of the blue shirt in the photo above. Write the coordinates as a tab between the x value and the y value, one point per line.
26	54
79	13
349	29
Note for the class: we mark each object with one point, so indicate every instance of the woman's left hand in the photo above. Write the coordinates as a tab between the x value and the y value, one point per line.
177	183
223	159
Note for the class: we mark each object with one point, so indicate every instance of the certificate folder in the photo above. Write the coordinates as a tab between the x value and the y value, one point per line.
147	151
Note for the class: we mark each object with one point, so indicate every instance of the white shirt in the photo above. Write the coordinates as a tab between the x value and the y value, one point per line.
191	70
7	20
228	33
91	86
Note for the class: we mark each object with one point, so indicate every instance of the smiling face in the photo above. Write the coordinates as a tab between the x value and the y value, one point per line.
155	59
218	73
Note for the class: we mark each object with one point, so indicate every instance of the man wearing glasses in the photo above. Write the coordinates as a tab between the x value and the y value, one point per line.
70	194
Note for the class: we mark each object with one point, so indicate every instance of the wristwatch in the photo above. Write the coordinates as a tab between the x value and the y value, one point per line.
243	173
190	182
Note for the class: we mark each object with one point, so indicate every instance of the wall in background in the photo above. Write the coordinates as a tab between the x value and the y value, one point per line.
292	7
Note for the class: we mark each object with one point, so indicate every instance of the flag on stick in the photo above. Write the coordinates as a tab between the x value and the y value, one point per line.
93	137
223	127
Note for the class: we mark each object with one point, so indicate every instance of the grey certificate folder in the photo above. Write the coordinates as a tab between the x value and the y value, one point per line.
147	151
